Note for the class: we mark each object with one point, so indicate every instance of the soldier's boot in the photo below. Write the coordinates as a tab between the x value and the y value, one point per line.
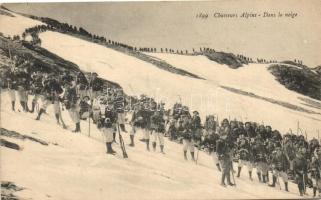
319	192
114	137
259	176
33	105
122	127
162	148
264	178
300	189
185	155
131	141
64	126
267	177
57	118
77	128
228	178
23	105
154	146
286	186
273	183
26	106
218	166
147	144
109	148
314	191
13	103
223	180
239	172
193	157
40	112
250	175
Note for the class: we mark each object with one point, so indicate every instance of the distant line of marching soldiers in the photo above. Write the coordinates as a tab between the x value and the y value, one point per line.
290	157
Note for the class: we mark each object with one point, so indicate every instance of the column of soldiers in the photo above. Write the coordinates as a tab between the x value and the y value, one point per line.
290	158
249	144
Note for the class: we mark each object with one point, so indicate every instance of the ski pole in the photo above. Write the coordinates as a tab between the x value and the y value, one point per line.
121	142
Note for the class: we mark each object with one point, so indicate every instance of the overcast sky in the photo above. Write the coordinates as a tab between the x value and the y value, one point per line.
174	25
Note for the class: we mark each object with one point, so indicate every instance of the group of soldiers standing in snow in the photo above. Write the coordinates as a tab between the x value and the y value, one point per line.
290	157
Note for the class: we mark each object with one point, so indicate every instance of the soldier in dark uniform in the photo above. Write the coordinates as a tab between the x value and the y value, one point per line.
235	131
225	128
262	132
300	166
316	171
146	114
210	125
11	76
276	135
37	86
241	129
23	85
82	85
72	104
108	127
136	122
159	129
290	152
196	127
172	131
66	78
280	165
259	154
209	143
268	130
51	91
224	155
119	106
188	142
245	156
180	129
249	130
96	85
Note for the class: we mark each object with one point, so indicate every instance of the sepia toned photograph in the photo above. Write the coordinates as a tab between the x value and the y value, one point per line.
144	100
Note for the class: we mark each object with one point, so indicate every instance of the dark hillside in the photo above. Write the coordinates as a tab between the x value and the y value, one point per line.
302	80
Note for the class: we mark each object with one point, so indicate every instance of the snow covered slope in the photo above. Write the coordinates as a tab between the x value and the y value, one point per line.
253	78
138	77
75	166
15	24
